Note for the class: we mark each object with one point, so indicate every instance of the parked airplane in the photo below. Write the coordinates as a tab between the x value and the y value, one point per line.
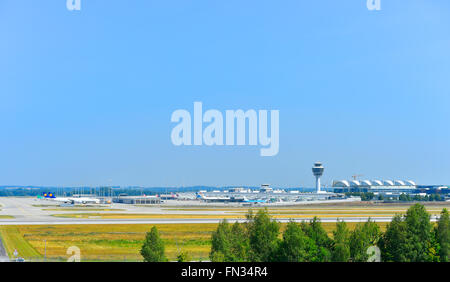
85	200
254	201
72	200
228	199
50	196
212	199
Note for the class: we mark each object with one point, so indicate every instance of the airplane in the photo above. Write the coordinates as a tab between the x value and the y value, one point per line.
51	197
254	201
228	199
85	200
73	200
212	199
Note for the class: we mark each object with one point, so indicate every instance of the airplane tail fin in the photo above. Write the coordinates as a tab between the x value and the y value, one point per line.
49	195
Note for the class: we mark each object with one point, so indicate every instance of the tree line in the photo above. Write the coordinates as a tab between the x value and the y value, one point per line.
425	198
411	237
368	196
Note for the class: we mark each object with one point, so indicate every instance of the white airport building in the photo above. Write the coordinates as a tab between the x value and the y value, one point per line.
375	186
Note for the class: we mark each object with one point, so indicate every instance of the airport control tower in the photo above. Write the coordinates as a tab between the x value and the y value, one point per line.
317	170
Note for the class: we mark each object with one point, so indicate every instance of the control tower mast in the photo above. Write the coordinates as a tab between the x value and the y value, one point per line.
317	170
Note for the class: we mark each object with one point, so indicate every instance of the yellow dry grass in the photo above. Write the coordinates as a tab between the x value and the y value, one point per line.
219	216
105	242
120	242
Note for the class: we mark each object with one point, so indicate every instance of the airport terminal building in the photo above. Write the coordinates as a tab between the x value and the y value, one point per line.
385	187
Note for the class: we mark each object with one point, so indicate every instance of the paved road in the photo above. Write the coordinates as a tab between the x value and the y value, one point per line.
3	255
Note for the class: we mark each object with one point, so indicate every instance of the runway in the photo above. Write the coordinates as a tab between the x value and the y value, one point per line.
166	221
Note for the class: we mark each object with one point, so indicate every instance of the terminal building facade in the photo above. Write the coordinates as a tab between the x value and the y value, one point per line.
387	187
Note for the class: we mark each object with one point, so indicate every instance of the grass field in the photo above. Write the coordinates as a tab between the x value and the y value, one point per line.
278	213
6	216
14	240
104	242
327	208
111	242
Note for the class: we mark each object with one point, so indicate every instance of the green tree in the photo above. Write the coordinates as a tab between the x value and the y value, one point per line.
402	197
239	243
317	233
443	236
341	249
437	197
361	238
153	248
394	240
417	198
296	245
367	196
421	245
410	239
263	236
229	243
221	243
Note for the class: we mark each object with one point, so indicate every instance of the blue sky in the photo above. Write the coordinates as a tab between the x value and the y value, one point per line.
86	96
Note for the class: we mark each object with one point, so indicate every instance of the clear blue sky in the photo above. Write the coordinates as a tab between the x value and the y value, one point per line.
86	97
